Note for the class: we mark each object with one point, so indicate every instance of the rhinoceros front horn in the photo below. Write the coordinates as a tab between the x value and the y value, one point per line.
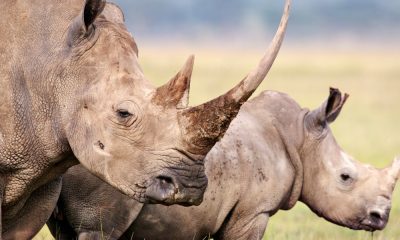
205	124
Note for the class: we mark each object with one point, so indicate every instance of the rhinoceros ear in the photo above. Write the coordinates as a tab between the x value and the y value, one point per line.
334	104
82	25
329	110
91	11
113	13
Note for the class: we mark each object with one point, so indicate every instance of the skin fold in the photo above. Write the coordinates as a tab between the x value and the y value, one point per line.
274	154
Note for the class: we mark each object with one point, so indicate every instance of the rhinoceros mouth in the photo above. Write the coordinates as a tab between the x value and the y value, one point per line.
162	190
182	181
370	223
168	190
374	222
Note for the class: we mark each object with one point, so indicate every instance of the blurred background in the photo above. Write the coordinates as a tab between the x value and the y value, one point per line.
353	45
330	22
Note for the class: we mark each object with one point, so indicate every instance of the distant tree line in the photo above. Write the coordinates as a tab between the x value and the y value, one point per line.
188	18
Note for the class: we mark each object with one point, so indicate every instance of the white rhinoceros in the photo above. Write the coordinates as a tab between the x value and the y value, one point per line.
72	91
274	154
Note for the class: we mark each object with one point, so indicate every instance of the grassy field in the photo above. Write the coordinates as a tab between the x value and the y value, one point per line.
368	127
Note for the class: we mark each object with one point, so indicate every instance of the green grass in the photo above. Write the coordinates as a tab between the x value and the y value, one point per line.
368	127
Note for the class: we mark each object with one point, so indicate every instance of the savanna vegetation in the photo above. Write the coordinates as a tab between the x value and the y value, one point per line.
368	127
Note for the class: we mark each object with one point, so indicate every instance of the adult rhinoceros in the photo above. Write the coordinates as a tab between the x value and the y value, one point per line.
273	154
72	92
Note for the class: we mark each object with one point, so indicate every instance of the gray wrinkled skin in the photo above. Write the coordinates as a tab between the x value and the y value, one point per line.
72	91
273	154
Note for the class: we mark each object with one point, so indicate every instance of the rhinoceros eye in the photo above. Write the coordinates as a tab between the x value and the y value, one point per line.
125	114
345	177
122	113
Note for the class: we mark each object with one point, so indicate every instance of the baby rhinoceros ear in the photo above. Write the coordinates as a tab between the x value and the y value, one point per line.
328	111
334	104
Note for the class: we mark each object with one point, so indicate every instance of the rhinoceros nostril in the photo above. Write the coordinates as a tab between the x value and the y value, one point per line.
375	215
167	183
165	179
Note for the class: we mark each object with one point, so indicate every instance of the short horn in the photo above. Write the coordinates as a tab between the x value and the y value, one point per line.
207	123
175	93
394	170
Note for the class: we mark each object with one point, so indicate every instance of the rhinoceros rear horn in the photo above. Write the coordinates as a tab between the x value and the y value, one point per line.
176	92
206	124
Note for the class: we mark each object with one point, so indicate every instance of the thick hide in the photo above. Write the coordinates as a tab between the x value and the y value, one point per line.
273	154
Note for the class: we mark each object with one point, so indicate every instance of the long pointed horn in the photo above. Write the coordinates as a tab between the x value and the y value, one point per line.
207	123
175	93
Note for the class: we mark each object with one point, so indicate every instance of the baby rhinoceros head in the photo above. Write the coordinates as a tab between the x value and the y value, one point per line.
337	187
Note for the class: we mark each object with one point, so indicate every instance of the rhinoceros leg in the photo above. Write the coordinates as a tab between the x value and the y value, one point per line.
97	209
59	227
1	201
91	236
239	227
34	214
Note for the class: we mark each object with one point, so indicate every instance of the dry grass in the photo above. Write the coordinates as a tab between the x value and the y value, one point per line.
368	128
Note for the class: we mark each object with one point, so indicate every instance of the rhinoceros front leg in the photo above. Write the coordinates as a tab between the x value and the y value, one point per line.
34	214
59	226
2	187
90	236
243	227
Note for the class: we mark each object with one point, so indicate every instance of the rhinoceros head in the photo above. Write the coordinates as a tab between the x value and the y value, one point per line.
145	141
336	186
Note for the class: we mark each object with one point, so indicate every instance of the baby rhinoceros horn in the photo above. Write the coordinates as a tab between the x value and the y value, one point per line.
394	170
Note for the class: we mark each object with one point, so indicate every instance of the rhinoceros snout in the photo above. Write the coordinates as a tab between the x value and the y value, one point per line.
168	190
377	219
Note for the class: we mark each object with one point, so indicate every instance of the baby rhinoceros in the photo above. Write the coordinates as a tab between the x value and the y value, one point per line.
274	154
